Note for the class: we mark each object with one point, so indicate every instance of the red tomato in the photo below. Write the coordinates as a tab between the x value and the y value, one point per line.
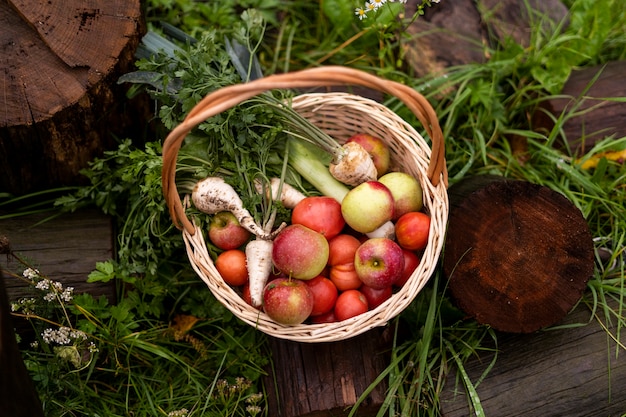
376	297
231	265
324	294
412	230
245	294
411	261
350	303
341	249
320	213
344	277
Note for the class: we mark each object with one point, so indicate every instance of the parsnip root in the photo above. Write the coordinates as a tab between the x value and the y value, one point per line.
259	264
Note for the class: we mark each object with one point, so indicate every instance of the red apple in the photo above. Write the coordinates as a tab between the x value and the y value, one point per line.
328	317
367	206
300	252
324	294
287	301
376	296
225	232
411	262
406	192
379	262
412	230
377	148
320	213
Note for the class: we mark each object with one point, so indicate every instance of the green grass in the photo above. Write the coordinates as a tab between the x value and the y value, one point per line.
147	364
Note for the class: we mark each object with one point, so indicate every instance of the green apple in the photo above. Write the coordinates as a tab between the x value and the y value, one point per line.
406	192
367	206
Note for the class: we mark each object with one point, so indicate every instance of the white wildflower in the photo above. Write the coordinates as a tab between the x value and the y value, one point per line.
377	3
92	347
63	335
67	294
49	297
30	273
183	412
361	13
59	336
43	285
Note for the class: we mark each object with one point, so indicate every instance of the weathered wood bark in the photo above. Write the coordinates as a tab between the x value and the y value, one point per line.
326	379
65	249
574	372
462	31
61	105
597	116
517	255
18	397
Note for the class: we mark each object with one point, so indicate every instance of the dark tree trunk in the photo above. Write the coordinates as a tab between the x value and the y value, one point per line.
18	397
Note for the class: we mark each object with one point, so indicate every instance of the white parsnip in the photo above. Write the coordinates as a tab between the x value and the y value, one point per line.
259	263
212	195
353	165
289	195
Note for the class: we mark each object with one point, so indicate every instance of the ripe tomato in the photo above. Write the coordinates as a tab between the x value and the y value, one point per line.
320	213
231	265
324	294
374	296
341	249
350	303
344	277
245	294
412	230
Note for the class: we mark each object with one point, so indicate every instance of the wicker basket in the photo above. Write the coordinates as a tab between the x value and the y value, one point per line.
341	115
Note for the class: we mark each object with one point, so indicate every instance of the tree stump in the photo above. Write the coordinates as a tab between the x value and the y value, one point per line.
326	379
61	103
517	255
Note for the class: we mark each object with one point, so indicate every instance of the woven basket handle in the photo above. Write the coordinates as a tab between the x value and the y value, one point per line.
230	96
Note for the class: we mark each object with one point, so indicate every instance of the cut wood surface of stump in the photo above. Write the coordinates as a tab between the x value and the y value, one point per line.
61	102
517	255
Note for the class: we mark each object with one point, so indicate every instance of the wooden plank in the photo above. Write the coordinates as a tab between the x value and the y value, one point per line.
573	372
65	248
326	379
598	116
